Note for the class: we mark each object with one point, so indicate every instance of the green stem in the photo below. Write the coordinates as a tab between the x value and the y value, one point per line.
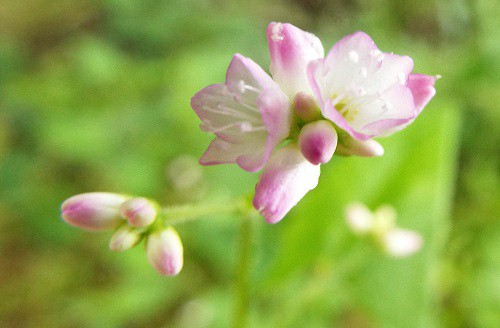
185	213
243	274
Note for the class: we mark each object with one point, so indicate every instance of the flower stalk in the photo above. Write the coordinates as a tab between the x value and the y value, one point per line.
242	290
179	214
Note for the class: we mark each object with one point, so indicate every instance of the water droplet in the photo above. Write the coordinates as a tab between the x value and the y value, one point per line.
364	72
353	56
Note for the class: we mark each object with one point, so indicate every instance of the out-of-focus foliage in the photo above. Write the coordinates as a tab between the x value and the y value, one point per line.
94	95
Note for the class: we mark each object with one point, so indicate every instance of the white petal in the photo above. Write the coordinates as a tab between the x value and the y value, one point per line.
401	243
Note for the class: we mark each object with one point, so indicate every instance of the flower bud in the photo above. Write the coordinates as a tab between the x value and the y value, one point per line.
401	243
124	238
140	212
359	218
94	211
368	148
164	251
305	107
317	141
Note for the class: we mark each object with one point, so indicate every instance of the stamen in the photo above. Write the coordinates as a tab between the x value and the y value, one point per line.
253	89
242	87
337	99
249	107
243	126
240	114
224	110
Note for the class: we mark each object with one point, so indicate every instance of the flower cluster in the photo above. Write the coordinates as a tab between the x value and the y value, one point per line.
380	226
133	219
312	108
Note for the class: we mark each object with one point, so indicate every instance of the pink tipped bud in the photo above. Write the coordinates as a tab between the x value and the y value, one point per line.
140	212
164	251
401	243
95	211
305	107
359	218
124	238
368	148
317	142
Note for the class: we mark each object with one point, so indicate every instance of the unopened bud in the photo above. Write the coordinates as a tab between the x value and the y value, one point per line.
164	251
140	212
367	148
317	142
359	218
305	107
401	243
94	211
124	238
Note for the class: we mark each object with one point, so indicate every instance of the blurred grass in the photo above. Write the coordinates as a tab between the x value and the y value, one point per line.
94	95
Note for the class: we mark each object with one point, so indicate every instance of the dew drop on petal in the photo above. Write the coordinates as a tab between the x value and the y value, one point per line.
364	72
353	56
361	91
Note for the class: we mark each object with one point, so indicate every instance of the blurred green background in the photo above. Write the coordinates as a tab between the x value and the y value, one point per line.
94	95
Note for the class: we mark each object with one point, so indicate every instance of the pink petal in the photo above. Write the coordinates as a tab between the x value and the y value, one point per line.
291	50
422	88
286	178
249	114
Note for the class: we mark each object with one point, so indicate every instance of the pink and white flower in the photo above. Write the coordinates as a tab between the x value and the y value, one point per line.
366	92
287	177
338	103
249	115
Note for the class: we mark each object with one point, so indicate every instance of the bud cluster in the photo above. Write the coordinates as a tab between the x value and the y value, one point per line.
381	227
133	219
